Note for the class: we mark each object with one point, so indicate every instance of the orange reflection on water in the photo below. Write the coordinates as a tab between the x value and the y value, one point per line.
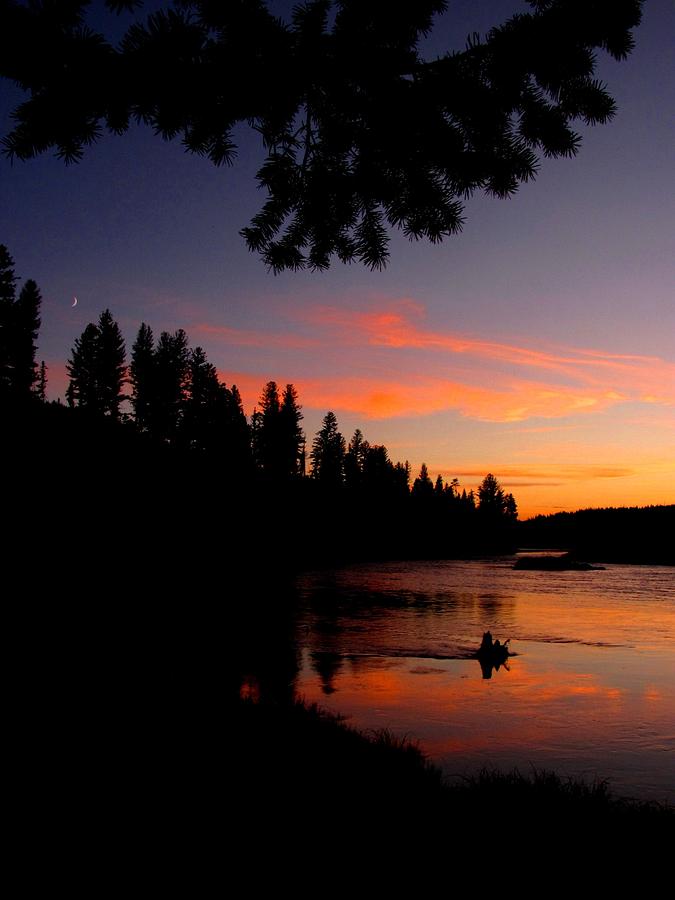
452	710
589	691
653	695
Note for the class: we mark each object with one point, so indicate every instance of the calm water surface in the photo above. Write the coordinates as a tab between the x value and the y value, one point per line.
590	691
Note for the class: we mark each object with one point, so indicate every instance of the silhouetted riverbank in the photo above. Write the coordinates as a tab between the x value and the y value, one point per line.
295	762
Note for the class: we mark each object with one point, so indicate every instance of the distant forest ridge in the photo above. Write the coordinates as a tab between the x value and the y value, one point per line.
632	534
594	510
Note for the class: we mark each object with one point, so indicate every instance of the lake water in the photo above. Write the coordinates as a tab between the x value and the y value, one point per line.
589	692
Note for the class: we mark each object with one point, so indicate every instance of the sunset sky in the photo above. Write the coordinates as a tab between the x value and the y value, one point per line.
539	344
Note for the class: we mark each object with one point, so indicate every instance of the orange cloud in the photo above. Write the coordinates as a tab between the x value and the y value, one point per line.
482	379
377	398
627	376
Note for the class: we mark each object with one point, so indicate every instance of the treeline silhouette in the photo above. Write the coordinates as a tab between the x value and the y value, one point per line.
614	534
20	378
178	403
159	446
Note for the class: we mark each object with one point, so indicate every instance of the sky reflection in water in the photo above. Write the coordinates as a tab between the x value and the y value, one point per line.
590	692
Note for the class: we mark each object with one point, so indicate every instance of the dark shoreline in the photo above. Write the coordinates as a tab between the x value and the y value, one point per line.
291	755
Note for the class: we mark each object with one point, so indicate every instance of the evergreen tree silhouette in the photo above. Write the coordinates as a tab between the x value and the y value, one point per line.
423	488
110	365
97	368
7	276
402	478
328	453
237	450
354	460
143	377
378	471
82	368
257	438
496	515
19	326
25	332
7	296
269	434
205	410
171	358
510	507
291	437
490	497
380	138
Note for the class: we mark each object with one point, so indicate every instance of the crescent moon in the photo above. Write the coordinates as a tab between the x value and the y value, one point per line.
74	303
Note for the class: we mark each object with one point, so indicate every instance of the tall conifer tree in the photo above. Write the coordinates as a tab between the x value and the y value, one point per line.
328	453
256	438
82	368
171	356
205	409
423	487
268	435
142	373
26	324
97	368
238	449
7	296
291	437
490	497
19	326
356	453
110	365
7	276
